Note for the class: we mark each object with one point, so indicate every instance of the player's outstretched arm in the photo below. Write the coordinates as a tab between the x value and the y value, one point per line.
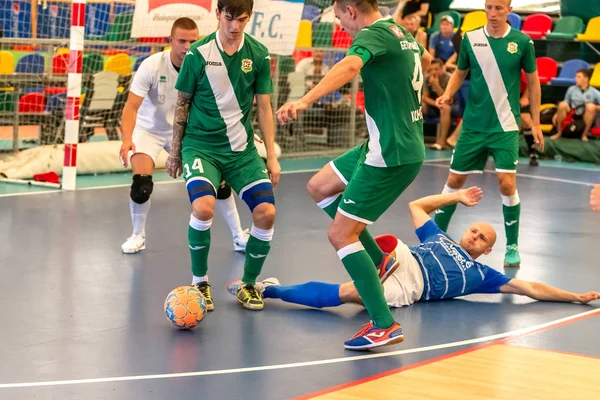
267	128
341	73
182	111
421	208
543	292
535	100
128	119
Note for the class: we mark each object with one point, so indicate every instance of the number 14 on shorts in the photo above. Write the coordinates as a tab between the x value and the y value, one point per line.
197	165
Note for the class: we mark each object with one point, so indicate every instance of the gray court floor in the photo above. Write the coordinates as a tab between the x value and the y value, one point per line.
82	320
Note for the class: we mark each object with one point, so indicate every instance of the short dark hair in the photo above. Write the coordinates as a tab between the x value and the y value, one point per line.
185	23
361	5
235	7
438	61
585	72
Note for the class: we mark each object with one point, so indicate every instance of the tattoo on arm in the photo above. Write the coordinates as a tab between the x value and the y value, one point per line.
182	110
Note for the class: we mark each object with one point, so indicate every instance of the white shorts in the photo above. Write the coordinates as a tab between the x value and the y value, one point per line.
151	143
405	286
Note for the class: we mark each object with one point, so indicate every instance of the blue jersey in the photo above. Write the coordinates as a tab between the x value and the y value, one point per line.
448	270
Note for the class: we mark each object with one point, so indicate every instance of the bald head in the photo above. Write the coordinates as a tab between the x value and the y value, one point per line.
478	239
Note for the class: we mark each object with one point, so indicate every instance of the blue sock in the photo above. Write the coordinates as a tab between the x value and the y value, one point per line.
311	294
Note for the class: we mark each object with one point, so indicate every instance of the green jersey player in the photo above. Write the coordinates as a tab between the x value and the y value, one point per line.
359	186
213	139
495	55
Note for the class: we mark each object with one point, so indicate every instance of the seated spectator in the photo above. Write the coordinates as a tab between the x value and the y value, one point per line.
441	45
419	8
581	104
435	85
411	23
313	68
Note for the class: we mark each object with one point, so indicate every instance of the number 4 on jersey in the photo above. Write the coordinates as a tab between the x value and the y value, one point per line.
197	165
417	80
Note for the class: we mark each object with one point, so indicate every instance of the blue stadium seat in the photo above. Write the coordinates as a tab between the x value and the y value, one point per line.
568	71
31	63
514	20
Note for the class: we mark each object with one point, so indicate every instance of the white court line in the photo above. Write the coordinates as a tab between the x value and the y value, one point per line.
517	332
543	178
299	171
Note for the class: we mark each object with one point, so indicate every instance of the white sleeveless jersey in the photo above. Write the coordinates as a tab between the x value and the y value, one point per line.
155	82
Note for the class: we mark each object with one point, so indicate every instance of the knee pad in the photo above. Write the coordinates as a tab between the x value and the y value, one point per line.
224	191
260	192
199	187
141	188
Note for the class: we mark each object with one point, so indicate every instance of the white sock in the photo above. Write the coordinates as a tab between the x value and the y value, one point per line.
448	189
511	201
139	212
229	211
198	279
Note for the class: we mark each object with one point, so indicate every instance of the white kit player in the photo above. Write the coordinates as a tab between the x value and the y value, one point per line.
147	128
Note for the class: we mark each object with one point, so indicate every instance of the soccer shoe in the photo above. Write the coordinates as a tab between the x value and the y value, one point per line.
134	244
386	268
512	258
373	336
533	160
240	241
204	288
250	297
233	286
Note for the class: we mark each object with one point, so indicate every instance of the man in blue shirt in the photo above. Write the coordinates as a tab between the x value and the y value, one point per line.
435	269
441	45
582	101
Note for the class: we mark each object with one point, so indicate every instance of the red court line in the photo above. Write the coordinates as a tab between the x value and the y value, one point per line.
440	358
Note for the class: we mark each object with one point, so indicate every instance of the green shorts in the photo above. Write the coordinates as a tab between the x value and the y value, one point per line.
473	149
370	191
242	170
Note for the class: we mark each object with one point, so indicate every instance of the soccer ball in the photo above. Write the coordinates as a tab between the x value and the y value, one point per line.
185	307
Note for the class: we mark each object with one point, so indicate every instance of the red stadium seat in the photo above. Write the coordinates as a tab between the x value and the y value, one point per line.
547	69
537	25
32	103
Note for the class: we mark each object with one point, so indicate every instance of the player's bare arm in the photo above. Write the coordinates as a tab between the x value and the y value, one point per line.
543	292
128	119
426	59
341	73
421	208
595	198
535	99
182	110
267	128
456	80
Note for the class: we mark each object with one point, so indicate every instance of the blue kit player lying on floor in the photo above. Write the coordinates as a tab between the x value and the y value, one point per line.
435	269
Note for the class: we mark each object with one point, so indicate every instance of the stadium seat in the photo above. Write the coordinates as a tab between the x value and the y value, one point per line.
7	62
32	103
567	28
298	55
568	71
30	64
536	26
311	13
473	20
119	30
304	38
595	79
119	63
92	63
547	68
60	64
323	34
56	102
546	128
514	20
592	32
438	18
138	62
7	102
341	38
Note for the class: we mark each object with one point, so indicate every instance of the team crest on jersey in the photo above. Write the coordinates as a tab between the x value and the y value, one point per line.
246	65
512	48
397	31
163	79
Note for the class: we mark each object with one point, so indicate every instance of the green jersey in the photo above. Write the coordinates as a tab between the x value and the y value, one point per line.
223	88
393	80
495	65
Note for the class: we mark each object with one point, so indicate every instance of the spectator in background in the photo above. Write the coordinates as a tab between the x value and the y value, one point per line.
419	8
581	104
411	23
313	68
441	45
435	86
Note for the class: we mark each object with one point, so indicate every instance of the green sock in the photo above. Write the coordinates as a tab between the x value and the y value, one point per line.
365	237
362	271
511	223
443	216
199	245
256	253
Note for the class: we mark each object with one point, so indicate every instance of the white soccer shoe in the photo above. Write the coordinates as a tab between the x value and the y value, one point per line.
134	244
233	286
240	241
